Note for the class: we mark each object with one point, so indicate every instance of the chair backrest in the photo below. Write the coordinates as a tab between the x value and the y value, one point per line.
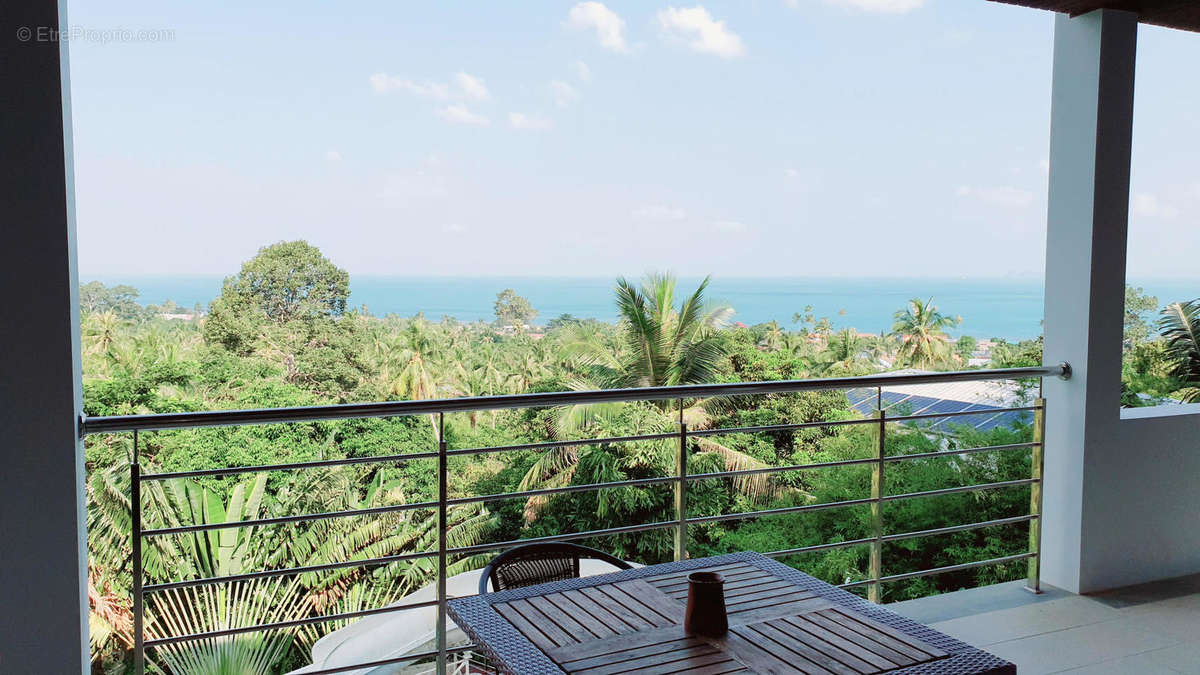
539	563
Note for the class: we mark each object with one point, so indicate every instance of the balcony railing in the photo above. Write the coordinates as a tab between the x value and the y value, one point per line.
680	481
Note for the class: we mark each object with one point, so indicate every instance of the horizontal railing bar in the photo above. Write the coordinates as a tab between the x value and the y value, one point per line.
960	451
562	444
780	469
384	459
775	512
961	413
384	662
268	574
943	570
374	664
302	518
263	627
709	432
561	490
820	547
479	548
959	528
181	420
778	427
965	488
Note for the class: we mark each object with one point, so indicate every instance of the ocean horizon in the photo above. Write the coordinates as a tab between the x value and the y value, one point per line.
990	308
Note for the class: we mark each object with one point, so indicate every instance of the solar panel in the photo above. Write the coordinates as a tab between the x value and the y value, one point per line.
989	417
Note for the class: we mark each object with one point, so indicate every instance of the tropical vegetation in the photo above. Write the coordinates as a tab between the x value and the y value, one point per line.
282	333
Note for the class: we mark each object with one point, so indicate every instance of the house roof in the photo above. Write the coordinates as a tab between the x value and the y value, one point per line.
1181	14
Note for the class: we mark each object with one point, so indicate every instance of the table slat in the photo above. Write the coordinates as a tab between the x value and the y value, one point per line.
834	640
795	645
570	603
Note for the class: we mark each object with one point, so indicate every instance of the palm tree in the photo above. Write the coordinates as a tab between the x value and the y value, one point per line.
416	380
658	345
1180	327
100	331
773	337
921	329
843	356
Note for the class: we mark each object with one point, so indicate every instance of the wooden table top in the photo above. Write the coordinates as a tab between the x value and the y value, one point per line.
633	623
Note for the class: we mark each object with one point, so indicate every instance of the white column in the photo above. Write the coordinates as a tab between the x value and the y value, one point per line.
1090	140
43	555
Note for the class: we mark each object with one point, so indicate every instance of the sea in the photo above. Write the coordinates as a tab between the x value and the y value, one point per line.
990	308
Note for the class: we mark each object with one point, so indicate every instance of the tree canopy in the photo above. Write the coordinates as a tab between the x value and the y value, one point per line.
513	310
284	282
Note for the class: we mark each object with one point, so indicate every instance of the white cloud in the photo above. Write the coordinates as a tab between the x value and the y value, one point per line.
791	173
453	228
1004	196
472	87
460	114
608	26
881	6
582	71
659	212
701	32
729	226
563	93
383	83
1147	205
333	156
528	122
469	87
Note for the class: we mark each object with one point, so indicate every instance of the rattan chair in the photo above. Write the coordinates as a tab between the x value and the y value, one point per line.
540	563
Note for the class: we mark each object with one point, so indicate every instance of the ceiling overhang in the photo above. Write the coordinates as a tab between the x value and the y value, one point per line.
1181	14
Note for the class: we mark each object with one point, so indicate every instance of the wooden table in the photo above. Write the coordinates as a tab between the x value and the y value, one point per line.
781	621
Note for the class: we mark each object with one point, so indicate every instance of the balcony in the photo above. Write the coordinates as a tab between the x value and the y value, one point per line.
1149	628
1118	489
169	631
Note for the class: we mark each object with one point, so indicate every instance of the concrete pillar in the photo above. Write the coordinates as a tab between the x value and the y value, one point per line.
43	553
1119	485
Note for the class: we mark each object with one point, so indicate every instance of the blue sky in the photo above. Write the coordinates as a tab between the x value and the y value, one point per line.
767	138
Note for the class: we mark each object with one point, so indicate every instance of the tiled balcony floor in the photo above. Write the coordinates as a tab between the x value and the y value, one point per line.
1142	630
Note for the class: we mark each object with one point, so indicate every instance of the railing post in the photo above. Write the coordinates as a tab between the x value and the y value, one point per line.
873	591
443	524
1034	583
135	514
681	490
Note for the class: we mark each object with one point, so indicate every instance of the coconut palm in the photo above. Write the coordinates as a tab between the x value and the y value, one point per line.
1180	327
772	338
921	329
416	380
844	355
658	345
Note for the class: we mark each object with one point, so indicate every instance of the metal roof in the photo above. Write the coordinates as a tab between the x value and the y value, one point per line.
1181	14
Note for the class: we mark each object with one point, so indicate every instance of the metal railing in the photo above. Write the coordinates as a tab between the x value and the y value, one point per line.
678	523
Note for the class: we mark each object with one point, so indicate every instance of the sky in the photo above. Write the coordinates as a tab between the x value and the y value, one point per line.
849	138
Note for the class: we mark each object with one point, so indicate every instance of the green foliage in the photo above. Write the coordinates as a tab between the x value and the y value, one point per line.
284	283
965	347
280	340
120	300
1024	354
512	309
1138	306
921	329
1180	328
